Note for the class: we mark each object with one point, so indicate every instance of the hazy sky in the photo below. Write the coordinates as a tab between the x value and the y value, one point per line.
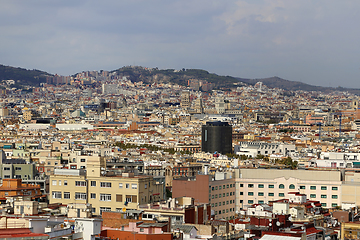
316	42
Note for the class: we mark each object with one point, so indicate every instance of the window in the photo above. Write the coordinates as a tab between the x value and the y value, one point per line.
56	195
73	167
119	198
18	168
141	229
105	184
93	183
227	202
131	198
261	202
82	160
81	196
241	185
54	182
215	204
227	194
281	186
312	187
223	194
18	176
59	182
66	195
80	183
216	188
6	169
323	188
65	182
260	194
241	193
334	205
250	193
224	186
145	186
104	209
271	194
302	187
334	188
281	194
323	196
271	186
219	187
127	185
323	204
250	185
250	201
312	195
292	186
6	176
219	204
92	195
212	188
212	197
261	186
334	196
105	197
134	186
227	186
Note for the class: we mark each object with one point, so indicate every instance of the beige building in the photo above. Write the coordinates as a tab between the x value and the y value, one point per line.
27	115
350	194
105	192
264	185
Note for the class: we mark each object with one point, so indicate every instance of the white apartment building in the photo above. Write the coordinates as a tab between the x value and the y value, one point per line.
264	185
252	149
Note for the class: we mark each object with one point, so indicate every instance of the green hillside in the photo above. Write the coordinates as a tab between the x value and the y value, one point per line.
23	76
181	77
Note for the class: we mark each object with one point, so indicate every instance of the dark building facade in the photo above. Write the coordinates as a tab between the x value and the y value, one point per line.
216	137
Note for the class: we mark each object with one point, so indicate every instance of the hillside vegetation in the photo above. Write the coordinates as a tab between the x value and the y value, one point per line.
22	76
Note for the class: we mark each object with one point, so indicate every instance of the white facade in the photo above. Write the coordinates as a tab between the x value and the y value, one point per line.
252	149
264	185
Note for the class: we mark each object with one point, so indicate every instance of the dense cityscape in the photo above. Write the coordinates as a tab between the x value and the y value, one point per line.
99	156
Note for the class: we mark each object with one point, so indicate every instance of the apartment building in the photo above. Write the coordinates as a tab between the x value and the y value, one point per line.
218	190
264	185
254	148
15	187
105	192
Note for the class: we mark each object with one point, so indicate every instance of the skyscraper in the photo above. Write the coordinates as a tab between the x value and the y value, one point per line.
216	137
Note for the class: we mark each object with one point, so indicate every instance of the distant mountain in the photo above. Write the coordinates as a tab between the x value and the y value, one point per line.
276	82
154	75
23	76
181	77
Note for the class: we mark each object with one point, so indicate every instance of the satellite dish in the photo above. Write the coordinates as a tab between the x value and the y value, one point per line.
270	220
124	209
290	218
270	224
278	224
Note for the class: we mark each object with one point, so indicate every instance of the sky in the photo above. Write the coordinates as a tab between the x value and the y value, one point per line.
315	42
